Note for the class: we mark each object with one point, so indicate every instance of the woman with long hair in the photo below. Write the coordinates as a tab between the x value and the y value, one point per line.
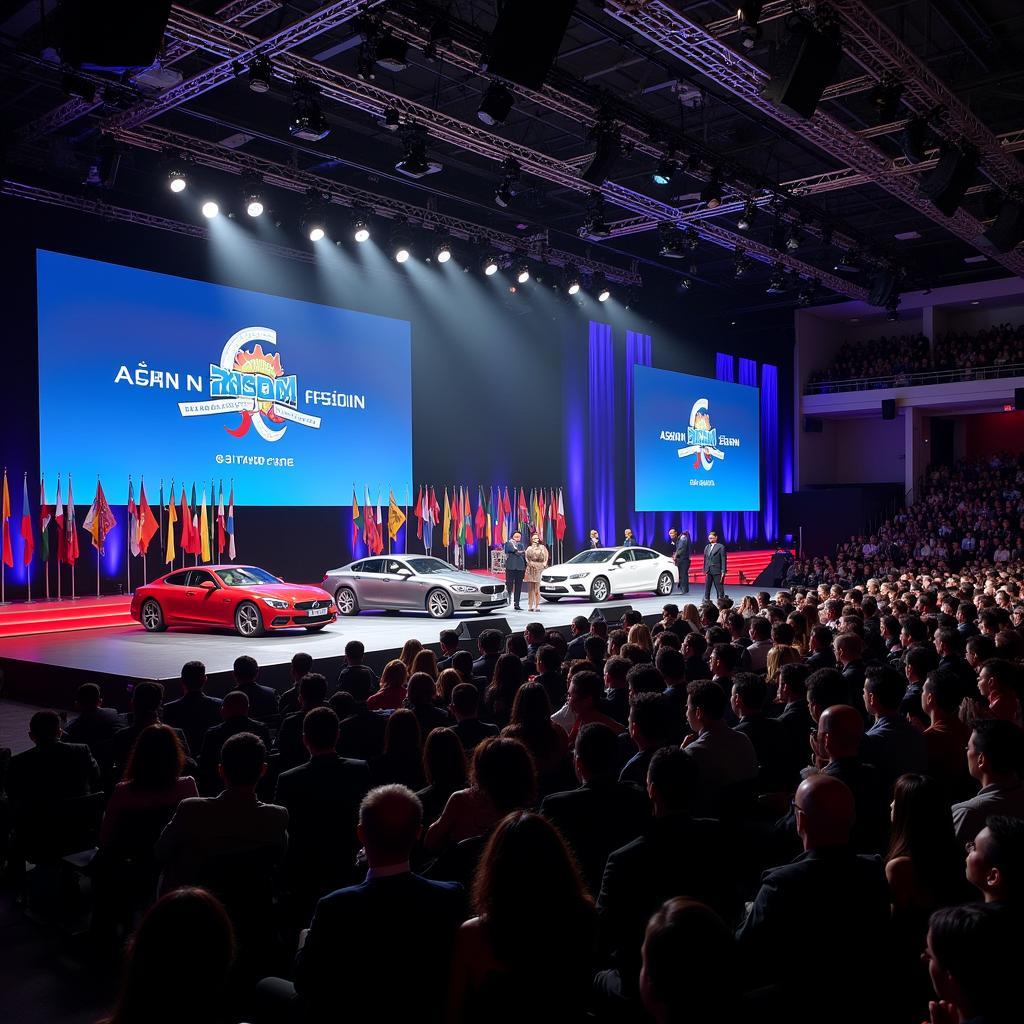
391	694
779	655
420	700
410	649
444	766
425	661
528	953
402	759
536	562
446	682
640	635
547	743
691	615
185	919
749	607
501	692
798	623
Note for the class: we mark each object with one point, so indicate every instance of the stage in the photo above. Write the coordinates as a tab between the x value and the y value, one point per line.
46	668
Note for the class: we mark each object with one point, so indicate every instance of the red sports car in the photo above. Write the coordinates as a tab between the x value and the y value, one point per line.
242	597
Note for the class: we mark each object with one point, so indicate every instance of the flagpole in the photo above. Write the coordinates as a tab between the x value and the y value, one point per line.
408	498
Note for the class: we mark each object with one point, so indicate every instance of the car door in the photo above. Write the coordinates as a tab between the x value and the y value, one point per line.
397	586
366	581
647	569
201	604
172	597
622	577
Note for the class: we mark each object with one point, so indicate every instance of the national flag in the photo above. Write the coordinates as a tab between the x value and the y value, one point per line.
194	536
71	530
467	511
149	525
481	515
229	524
26	524
490	517
357	519
396	517
378	526
44	523
560	523
99	520
368	517
460	522
213	519
5	526
524	512
446	527
204	531
186	523
549	534
418	513
172	518
58	517
428	521
221	535
133	520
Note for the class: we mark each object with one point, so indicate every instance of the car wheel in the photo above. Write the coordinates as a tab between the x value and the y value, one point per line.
316	629
345	599
600	590
439	604
665	584
152	616
248	621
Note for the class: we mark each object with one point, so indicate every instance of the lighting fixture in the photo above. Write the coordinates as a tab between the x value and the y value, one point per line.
607	148
748	14
260	74
793	239
414	164
495	105
777	281
711	194
523	274
742	263
308	121
402	254
253	204
315	232
490	266
595	225
443	253
176	181
604	294
361	231
507	190
671	244
210	209
392	53
665	171
572	279
886	98
392	119
746	218
915	138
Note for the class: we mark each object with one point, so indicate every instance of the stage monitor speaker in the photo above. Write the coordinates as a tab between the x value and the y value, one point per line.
116	35
1006	232
472	628
809	63
611	613
1018	398
814	425
526	39
953	175
888	408
773	574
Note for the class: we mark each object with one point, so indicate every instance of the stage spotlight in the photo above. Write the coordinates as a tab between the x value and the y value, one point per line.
414	164
402	254
523	274
572	279
711	194
210	209
443	253
777	281
748	14
886	98
308	121
392	53
665	171
608	147
253	202
507	190
495	105
315	232
794	239
671	244
260	74
604	294
746	218
742	263
489	266
176	181
360	231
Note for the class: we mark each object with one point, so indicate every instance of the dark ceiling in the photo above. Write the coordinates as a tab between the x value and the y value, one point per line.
976	47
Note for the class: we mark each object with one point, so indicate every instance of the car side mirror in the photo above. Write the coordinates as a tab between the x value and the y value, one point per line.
618	561
207	585
406	573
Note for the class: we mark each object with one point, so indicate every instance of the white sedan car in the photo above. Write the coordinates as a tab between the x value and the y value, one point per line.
599	573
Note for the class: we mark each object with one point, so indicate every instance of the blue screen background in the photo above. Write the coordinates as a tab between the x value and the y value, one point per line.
662	401
95	317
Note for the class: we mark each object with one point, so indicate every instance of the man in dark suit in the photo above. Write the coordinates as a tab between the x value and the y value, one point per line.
52	770
628	540
262	699
820	653
680	554
549	675
515	568
289	746
714	567
768	736
147	701
579	628
534	635
302	665
95	724
340	963
468	727
849	651
650	729
361	732
603	813
892	744
234	712
828	874
356	678
449	641
489	643
796	716
194	712
322	798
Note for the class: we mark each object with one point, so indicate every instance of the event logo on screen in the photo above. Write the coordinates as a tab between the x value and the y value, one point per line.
702	439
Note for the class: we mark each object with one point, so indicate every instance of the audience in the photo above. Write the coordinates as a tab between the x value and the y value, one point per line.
391	694
995	861
262	699
234	713
445	770
465	709
401	761
94	724
995	756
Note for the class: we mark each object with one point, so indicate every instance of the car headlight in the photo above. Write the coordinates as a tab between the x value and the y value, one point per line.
462	588
275	603
578	575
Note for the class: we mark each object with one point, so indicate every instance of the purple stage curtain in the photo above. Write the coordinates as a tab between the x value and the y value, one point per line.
638	352
748	375
770	449
725	369
601	432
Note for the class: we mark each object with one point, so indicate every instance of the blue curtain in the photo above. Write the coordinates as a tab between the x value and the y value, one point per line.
638	352
725	369
748	376
770	449
601	432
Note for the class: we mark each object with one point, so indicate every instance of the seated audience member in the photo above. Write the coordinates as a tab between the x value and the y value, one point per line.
502	780
193	712
978	650
973	957
819	646
825	688
465	708
677	855
767	735
410	649
650	729
594	649
290	745
301	665
672	666
547	743
579	630
726	758
998	684
995	754
340	960
500	694
422	691
760	632
694	648
892	744
515	643
948	644
795	718
489	645
444	768
686	977
185	918
534	635
602	814
829	873
262	699
995	861
322	799
462	662
849	651
447	680
527	953
205	829
147	700
616	689
94	725
671	622
640	635
401	762
391	694
356	678
234	713
586	688
917	664
448	640
945	739
722	662
360	729
426	662
152	779
778	658
549	674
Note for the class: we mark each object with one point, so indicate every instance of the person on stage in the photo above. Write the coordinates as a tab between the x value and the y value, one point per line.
595	539
680	554
536	563
628	540
714	566
515	568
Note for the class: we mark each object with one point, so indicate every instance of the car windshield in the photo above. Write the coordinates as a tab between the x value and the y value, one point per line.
429	566
247	576
591	557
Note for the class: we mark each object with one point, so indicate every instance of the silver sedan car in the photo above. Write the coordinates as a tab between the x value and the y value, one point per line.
412	583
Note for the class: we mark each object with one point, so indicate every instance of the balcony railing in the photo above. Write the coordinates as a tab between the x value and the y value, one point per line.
908	380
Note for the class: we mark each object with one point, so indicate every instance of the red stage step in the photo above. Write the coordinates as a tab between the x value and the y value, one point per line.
53	616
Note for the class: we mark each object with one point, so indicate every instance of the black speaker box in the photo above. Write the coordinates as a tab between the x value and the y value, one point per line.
611	613
883	287
470	629
111	35
1018	398
809	64
814	425
526	39
948	183
888	408
1007	231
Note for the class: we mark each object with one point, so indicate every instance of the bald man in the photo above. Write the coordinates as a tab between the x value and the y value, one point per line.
816	924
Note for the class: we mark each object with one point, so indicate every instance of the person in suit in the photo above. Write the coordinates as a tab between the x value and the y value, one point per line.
52	770
650	729
603	813
995	754
892	744
301	665
262	699
819	645
449	643
767	735
147	704
193	712
341	962
536	563
289	745
594	541
714	567
515	568
356	678
322	798
680	554
579	630
628	540
465	709
234	713
95	724
235	822
995	861
489	644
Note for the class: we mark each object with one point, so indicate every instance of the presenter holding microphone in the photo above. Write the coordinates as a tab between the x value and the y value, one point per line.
536	563
515	567
714	566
